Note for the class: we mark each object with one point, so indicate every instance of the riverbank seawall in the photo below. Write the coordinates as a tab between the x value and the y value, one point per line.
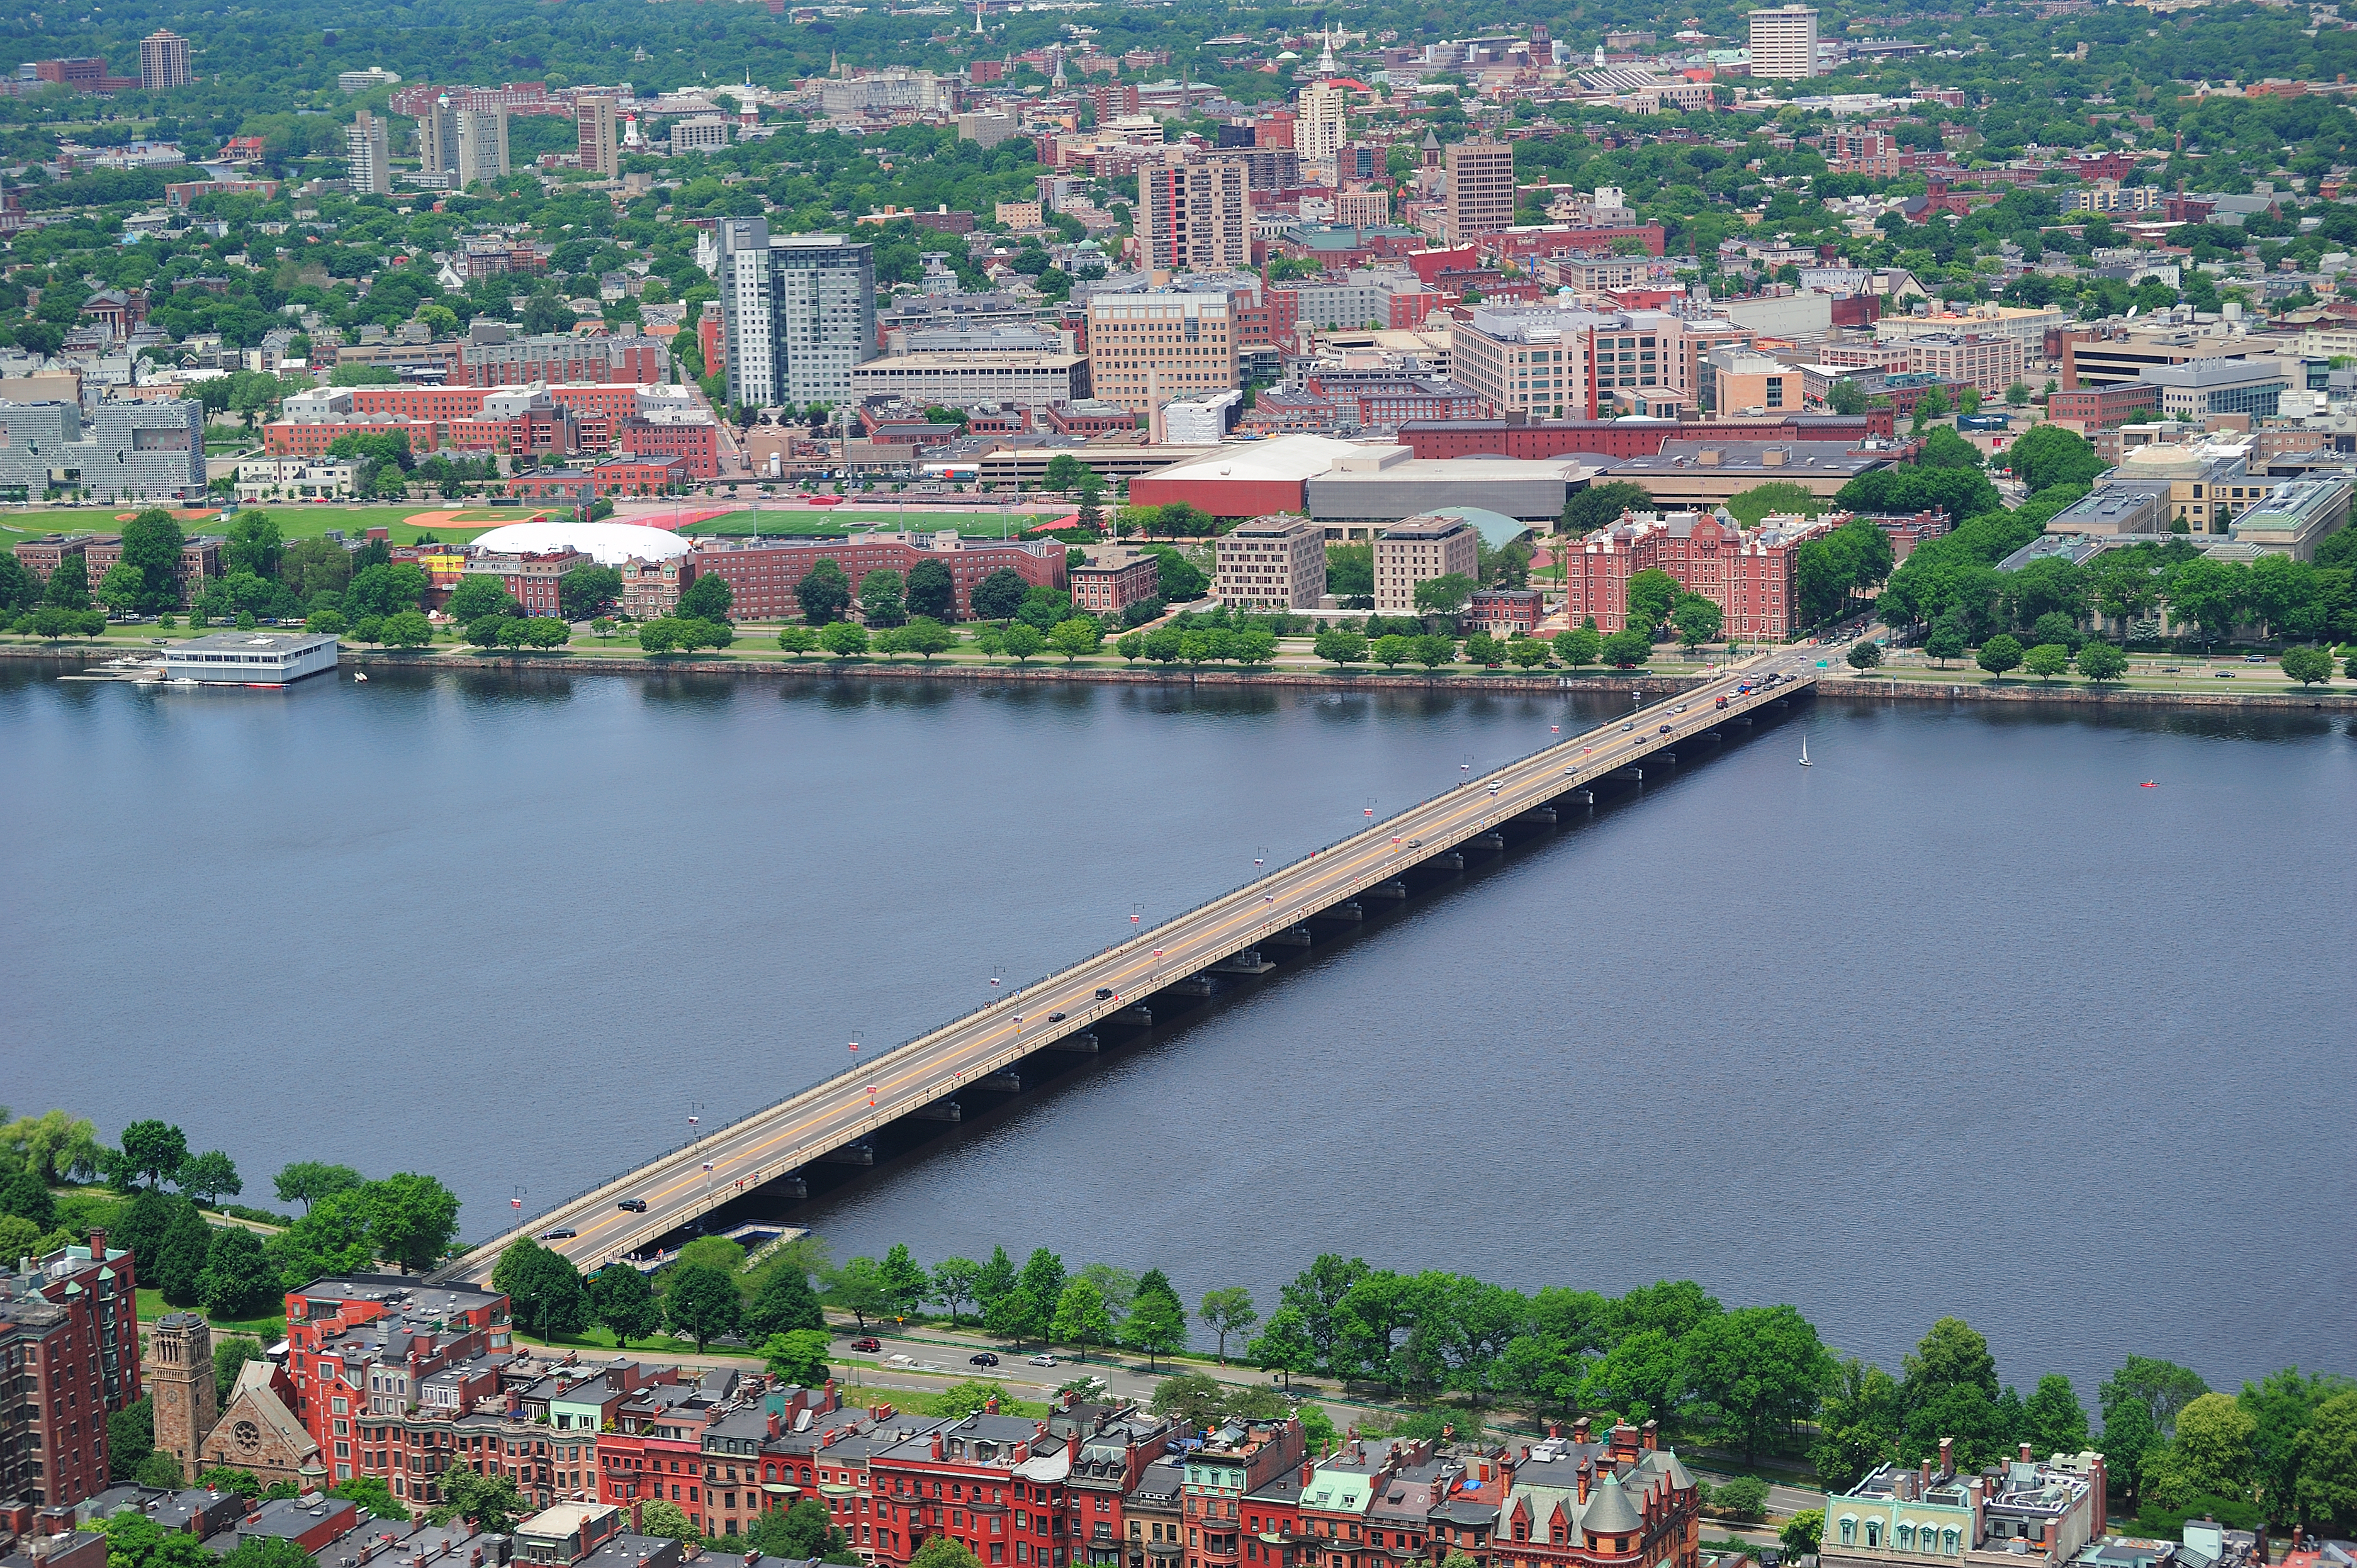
1913	689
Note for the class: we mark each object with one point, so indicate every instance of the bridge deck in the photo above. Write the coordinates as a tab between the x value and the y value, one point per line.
845	1108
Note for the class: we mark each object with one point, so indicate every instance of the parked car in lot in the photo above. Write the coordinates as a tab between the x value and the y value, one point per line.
982	1358
868	1343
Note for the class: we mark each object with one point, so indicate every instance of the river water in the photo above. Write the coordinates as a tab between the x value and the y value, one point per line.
1960	1020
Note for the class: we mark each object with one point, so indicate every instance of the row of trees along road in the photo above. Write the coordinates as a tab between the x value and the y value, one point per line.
1753	1379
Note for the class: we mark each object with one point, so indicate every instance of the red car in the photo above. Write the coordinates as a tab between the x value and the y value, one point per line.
870	1343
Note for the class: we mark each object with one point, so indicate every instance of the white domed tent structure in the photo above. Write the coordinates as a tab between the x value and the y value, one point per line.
609	543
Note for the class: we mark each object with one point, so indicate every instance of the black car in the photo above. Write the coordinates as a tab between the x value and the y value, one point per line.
564	1233
1055	1018
635	1205
1105	993
982	1358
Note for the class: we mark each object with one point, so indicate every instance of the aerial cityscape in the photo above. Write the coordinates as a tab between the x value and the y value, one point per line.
1155	784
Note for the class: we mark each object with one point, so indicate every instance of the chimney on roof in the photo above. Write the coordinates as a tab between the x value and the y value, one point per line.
990	1405
937	1444
2025	1454
1587	1471
1555	1429
1923	1478
1308	1470
1653	1436
1579	1429
98	1245
1947	1456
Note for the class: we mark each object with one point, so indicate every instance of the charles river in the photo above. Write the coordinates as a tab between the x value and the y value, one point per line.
1959	1020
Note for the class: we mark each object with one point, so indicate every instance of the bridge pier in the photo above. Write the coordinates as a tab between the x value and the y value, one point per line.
1082	1044
1487	841
1140	1015
1347	910
939	1110
1248	962
1006	1082
1292	937
860	1153
1200	984
1446	860
1543	815
1395	888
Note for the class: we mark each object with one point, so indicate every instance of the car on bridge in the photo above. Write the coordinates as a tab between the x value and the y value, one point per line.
1105	993
634	1205
561	1233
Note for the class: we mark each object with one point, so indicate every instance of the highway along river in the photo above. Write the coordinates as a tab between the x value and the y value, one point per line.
1959	1019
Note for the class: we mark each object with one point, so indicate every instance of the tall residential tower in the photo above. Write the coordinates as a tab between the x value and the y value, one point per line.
1784	42
798	312
162	61
371	156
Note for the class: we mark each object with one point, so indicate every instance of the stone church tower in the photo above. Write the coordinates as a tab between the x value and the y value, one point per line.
179	1376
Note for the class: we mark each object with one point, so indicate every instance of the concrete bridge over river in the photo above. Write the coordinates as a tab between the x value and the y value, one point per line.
984	1052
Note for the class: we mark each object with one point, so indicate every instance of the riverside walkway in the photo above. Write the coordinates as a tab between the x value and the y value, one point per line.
921	1080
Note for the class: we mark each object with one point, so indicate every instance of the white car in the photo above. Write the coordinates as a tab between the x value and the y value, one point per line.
1043	1360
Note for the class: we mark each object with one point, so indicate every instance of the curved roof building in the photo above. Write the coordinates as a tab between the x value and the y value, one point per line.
610	543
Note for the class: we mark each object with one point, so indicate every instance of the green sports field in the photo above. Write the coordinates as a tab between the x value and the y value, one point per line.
448	522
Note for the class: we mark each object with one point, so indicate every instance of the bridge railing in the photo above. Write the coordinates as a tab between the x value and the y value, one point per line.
1377	829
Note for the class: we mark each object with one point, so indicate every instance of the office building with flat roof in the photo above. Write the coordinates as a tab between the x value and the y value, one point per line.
1481	190
1147	348
1784	42
1272	563
250	658
2300	515
1418	549
2200	388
